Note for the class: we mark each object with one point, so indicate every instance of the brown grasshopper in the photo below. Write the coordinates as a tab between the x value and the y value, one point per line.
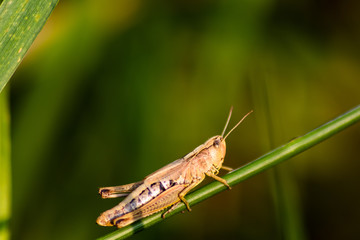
167	186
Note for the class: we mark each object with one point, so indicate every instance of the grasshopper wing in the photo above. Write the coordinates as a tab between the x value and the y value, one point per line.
173	171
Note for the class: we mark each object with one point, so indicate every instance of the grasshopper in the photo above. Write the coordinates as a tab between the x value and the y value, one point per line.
167	186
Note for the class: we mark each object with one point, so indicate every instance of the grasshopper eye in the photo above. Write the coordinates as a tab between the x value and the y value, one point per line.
216	143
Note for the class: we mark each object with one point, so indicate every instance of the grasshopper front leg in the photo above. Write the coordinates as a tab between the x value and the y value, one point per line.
118	191
229	169
223	181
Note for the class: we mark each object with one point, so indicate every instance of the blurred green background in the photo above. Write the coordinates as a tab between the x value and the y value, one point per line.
113	90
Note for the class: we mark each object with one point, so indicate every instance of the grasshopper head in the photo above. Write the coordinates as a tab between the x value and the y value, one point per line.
217	150
217	145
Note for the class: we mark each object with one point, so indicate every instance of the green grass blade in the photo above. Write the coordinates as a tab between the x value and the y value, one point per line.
5	168
283	183
259	165
20	23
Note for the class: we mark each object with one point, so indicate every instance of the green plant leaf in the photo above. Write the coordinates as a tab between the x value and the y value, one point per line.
20	23
5	168
259	165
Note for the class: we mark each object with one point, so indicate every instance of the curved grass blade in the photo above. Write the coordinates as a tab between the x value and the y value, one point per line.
20	23
259	165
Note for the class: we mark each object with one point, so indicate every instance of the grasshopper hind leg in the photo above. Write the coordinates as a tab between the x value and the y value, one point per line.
121	222
118	191
169	210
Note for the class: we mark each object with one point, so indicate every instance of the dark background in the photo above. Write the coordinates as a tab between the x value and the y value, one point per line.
113	90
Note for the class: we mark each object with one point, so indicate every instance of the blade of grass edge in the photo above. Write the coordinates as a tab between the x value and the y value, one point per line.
261	164
5	168
20	23
284	186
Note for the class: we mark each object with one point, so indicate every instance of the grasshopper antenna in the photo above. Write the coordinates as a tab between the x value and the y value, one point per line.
235	125
227	121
